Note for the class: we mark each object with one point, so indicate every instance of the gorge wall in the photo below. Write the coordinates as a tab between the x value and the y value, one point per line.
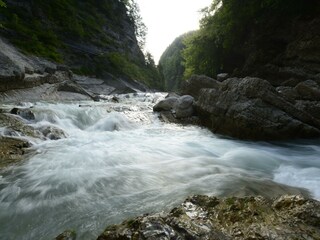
92	38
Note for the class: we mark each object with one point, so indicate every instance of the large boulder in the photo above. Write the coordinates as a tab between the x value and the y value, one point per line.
184	107
193	85
250	108
165	105
203	217
181	107
308	90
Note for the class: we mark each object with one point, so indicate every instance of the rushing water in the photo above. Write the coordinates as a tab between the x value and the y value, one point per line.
120	161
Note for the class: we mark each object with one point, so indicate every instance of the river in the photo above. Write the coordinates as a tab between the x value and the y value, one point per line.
119	160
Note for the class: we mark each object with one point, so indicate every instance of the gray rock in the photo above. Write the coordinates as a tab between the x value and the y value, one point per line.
203	217
193	85
9	71
222	76
12	150
250	108
172	94
289	93
16	124
184	106
25	113
166	104
67	235
308	90
311	107
52	133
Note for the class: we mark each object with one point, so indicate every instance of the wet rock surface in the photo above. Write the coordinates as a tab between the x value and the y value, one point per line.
52	132
28	78
16	126
203	217
67	235
12	150
251	108
176	109
193	85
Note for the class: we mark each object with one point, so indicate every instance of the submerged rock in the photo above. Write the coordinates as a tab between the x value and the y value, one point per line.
17	126
12	150
25	113
52	133
203	217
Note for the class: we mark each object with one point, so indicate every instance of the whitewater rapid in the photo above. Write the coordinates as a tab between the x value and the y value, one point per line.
119	160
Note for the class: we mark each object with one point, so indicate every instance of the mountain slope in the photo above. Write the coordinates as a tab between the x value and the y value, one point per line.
273	39
92	37
171	63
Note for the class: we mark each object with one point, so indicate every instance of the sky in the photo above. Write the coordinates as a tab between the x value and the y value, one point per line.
168	19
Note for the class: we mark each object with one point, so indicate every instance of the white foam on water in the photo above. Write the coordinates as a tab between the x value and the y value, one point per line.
120	161
308	178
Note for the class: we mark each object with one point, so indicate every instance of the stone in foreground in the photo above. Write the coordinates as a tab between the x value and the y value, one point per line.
12	150
203	217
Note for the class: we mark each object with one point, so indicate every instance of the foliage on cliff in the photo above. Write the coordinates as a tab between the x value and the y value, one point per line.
171	63
223	42
83	34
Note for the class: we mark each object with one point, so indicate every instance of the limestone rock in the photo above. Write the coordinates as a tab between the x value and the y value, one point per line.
67	235
308	90
166	104
25	113
222	76
16	125
251	108
52	133
193	85
184	107
203	217
172	94
12	150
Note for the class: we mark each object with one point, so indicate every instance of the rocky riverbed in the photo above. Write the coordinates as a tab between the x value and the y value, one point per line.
203	217
87	165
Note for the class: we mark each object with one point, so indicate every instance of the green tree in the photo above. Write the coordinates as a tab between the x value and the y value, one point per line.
2	3
171	63
135	16
227	24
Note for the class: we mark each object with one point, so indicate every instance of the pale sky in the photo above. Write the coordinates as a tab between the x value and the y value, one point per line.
168	19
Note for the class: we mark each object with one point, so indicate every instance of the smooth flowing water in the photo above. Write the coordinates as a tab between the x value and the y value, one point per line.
120	161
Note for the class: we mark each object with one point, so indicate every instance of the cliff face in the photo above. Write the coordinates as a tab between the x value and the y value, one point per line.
281	51
271	39
92	37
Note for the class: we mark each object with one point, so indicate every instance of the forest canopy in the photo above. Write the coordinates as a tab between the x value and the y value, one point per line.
225	26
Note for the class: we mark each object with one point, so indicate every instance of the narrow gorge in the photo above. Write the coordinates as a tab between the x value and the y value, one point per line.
220	140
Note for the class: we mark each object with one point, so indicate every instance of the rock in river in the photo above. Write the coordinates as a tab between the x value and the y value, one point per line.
203	217
251	108
12	150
